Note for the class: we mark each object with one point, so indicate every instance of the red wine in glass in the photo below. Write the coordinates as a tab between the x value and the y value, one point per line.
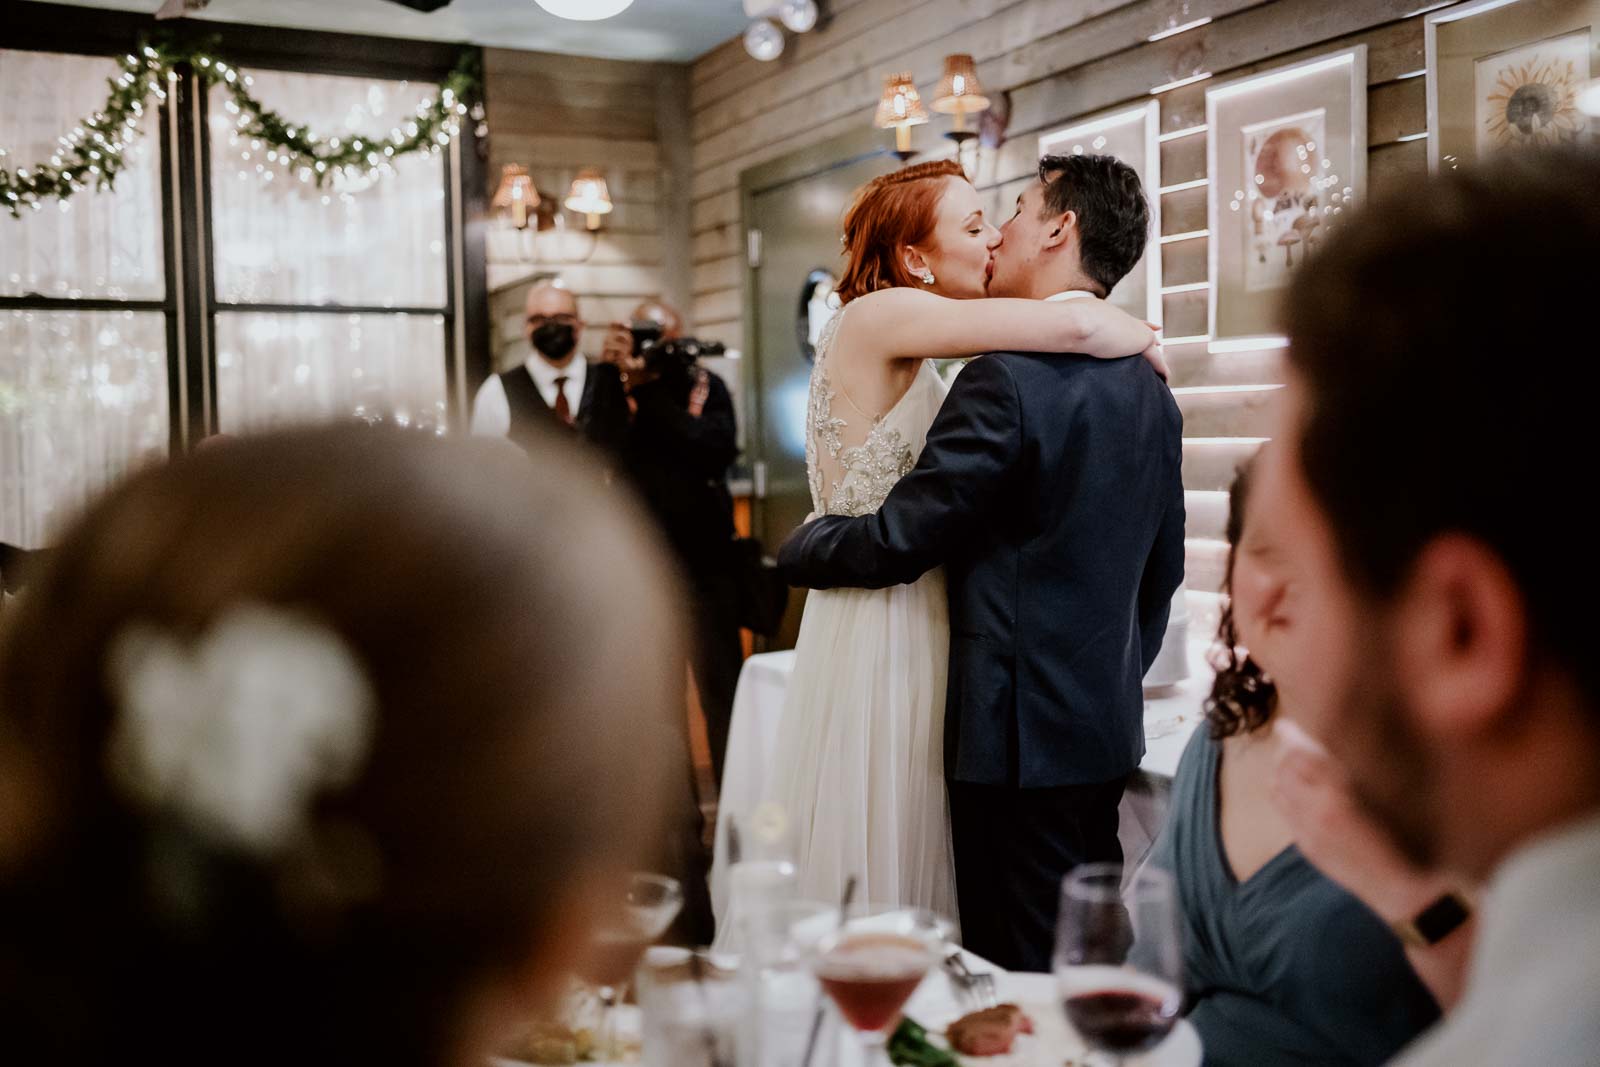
1119	958
1122	1022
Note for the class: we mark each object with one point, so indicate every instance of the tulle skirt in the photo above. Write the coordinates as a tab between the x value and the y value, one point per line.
859	762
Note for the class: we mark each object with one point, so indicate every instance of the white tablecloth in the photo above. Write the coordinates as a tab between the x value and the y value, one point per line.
1170	717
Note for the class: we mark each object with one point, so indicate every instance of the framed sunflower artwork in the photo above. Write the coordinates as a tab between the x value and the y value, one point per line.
1507	75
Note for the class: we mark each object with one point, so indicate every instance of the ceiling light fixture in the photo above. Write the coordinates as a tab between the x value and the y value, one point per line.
800	16
763	40
585	10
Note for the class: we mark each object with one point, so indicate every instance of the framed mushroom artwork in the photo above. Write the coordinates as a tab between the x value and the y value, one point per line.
1288	160
1508	75
1133	136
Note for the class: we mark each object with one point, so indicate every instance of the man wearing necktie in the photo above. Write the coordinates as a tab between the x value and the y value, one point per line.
555	382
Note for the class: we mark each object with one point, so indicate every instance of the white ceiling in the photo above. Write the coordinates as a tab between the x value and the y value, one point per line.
677	30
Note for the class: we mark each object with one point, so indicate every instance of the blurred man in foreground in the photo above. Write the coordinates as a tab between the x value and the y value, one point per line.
1429	466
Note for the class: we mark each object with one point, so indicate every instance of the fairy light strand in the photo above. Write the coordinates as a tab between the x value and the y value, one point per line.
94	152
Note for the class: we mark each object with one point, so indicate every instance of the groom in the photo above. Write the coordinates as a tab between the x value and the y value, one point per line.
1050	489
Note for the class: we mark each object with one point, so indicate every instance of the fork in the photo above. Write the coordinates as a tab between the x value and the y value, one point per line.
974	990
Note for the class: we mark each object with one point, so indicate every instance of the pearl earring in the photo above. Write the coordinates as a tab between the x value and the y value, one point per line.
927	277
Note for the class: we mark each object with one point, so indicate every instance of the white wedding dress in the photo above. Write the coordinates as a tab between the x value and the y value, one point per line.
860	750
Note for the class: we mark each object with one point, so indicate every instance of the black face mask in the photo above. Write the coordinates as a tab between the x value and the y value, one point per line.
555	340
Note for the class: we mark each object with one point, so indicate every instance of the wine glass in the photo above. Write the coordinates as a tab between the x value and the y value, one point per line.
1119	959
870	967
651	903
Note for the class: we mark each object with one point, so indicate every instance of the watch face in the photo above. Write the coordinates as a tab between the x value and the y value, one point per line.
1440	918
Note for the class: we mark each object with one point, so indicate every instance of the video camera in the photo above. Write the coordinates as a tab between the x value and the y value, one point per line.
665	357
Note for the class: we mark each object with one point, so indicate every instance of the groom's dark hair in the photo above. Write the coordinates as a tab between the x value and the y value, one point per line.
1113	216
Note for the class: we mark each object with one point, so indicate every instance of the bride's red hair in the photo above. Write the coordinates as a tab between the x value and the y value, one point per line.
888	213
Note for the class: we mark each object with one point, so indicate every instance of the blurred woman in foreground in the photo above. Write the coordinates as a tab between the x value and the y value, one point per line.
318	748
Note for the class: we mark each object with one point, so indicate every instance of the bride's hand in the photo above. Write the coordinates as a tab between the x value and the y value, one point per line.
1156	355
1107	332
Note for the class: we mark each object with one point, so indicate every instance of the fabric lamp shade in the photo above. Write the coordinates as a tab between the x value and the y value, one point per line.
900	109
960	93
590	197
517	197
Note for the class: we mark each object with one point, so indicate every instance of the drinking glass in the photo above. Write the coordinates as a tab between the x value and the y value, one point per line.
1119	959
693	1006
779	942
650	904
872	965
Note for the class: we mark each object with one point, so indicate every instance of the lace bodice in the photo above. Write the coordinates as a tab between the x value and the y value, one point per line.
852	460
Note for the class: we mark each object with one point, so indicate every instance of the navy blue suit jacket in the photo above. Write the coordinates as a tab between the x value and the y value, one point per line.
1051	489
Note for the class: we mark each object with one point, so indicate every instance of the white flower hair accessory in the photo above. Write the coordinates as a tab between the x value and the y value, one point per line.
236	733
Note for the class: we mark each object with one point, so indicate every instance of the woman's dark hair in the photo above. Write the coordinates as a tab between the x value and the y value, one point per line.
513	626
1242	696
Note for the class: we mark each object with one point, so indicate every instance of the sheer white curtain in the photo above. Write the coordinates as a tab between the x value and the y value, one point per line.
280	240
83	394
279	369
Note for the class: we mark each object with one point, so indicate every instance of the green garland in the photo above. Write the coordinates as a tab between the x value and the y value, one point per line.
92	155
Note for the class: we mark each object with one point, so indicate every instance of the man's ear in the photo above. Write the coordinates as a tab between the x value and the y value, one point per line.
1461	639
1058	231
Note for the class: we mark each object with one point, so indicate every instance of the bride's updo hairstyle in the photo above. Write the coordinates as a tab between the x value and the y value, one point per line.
318	748
889	213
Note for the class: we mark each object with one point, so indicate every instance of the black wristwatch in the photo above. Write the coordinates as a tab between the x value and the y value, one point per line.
1434	923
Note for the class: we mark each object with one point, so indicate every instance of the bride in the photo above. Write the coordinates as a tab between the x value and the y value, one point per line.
860	765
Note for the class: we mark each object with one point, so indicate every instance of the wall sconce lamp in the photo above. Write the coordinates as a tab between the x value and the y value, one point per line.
517	198
899	110
590	197
960	95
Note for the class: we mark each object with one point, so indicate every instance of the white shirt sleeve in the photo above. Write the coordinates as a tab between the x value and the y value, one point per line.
491	411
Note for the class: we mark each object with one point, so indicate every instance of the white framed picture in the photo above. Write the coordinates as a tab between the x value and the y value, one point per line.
1287	158
1133	136
1506	75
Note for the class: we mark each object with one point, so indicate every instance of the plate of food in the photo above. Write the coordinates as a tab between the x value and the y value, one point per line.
572	1042
1032	1032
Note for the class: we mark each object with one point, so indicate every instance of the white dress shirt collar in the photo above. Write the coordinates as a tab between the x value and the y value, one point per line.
1070	294
544	376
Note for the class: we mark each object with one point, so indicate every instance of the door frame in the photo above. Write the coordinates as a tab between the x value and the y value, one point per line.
844	150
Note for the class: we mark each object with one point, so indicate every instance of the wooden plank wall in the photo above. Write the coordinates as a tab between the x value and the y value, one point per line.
1061	60
558	114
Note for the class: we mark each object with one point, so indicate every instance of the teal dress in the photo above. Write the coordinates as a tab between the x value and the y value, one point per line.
1286	967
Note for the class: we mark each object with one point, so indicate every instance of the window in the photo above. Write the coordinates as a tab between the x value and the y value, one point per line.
84	314
329	300
215	289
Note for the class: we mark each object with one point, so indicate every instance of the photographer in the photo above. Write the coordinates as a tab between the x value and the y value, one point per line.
682	442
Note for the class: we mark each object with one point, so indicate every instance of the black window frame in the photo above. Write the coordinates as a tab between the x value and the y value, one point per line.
190	304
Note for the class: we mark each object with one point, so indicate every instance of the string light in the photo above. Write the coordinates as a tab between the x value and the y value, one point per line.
93	153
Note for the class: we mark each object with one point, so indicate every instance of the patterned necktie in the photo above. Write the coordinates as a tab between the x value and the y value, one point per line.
563	409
